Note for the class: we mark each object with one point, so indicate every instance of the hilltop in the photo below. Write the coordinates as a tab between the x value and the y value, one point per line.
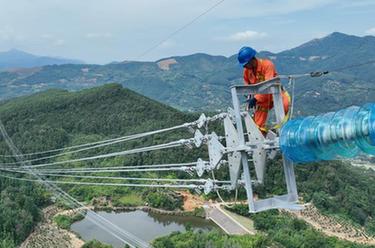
200	82
58	118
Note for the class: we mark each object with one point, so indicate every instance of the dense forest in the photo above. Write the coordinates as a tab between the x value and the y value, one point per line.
211	239
336	188
277	230
20	207
58	118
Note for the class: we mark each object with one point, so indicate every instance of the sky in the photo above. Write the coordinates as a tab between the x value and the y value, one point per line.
103	31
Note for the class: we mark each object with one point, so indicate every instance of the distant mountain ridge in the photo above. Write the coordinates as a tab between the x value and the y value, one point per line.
19	59
201	82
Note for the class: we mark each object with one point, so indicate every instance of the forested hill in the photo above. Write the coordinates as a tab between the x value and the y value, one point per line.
58	118
201	82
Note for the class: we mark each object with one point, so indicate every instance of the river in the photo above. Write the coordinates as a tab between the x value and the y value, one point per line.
144	225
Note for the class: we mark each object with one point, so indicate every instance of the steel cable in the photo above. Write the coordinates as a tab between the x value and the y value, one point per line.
114	154
65	196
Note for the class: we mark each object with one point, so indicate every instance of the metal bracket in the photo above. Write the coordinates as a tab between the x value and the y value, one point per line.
258	145
259	153
201	121
231	115
271	136
215	150
198	138
234	158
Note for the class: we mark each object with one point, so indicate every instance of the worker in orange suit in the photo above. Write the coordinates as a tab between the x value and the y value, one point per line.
257	70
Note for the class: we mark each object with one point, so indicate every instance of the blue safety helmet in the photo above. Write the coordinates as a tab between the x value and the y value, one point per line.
245	55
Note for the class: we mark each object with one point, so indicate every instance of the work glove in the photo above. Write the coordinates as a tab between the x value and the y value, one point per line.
251	103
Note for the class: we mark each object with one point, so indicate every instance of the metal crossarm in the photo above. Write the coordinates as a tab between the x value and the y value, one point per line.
257	147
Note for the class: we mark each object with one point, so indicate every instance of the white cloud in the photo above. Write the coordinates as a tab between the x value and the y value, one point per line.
98	35
46	36
247	35
168	44
8	33
132	27
354	4
51	39
4	34
261	8
370	31
59	42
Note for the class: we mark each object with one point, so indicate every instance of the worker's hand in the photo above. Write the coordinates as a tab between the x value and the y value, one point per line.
251	103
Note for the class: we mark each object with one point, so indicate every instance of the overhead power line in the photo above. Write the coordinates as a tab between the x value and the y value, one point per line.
97	144
114	154
116	167
175	180
179	30
101	143
321	73
97	219
176	186
180	168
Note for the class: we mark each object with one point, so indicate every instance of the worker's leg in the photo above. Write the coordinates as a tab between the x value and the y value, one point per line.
260	118
264	104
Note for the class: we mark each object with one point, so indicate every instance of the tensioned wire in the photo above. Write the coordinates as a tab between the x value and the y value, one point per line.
100	143
116	178
183	168
188	186
114	154
83	149
178	30
140	168
106	142
97	219
118	167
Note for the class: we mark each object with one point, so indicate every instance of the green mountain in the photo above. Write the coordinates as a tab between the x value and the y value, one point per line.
104	111
58	118
19	59
201	82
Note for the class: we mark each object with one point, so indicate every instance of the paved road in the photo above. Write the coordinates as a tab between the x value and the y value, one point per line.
225	221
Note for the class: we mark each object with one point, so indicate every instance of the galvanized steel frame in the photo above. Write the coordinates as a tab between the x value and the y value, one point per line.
289	200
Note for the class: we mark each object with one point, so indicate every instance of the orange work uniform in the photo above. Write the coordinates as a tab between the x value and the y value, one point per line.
265	70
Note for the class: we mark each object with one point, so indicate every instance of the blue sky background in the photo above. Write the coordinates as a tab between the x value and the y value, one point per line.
101	31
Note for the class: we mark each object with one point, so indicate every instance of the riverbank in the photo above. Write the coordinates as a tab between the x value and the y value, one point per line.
48	234
198	212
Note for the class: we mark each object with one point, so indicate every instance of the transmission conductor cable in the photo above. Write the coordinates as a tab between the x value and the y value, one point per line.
72	201
114	154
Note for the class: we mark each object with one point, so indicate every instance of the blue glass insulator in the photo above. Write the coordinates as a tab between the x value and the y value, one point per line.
337	135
